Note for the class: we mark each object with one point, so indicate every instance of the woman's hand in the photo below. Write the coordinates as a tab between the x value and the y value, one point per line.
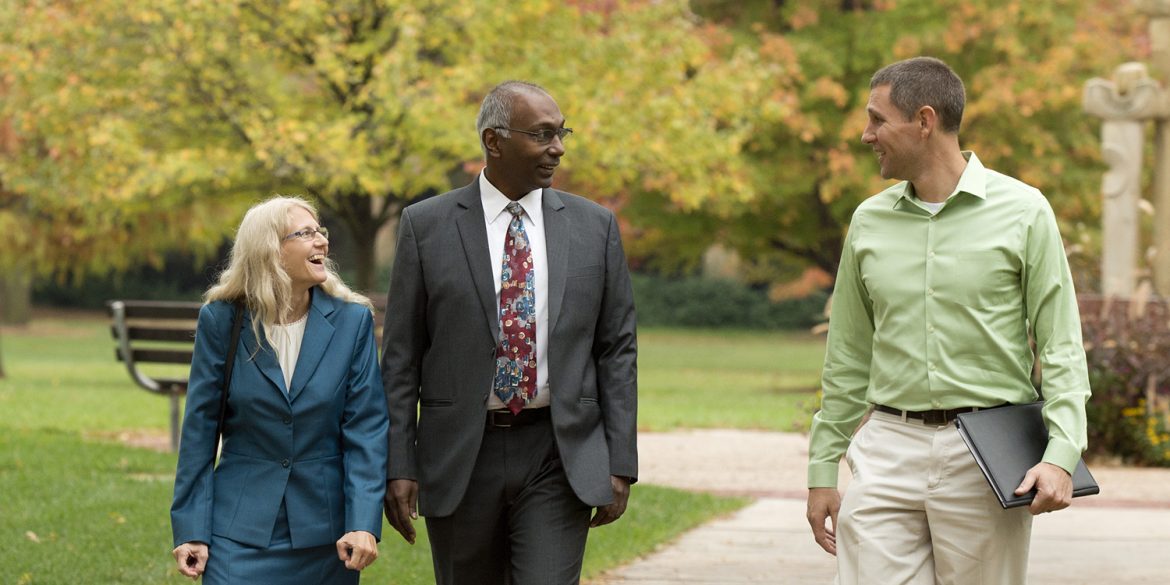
359	549
192	559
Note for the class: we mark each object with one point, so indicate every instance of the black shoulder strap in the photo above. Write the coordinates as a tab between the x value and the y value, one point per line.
237	325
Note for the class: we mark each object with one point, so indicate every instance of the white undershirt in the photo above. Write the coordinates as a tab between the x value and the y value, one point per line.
286	342
497	217
932	207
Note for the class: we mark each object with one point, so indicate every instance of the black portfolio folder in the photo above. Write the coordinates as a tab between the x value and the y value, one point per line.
1009	440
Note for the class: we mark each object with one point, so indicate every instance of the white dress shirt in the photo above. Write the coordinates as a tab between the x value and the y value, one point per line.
497	217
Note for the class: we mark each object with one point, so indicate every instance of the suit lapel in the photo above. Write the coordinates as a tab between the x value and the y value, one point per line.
318	334
556	241
473	235
264	357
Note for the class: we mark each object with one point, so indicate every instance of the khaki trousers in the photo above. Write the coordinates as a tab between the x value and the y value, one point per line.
919	512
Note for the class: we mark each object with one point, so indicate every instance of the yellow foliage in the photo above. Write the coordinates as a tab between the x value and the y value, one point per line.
803	17
829	89
189	110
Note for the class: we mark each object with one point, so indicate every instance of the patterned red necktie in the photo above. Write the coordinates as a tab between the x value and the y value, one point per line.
515	383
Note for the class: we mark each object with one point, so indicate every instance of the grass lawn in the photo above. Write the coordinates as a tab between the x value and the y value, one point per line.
76	506
727	379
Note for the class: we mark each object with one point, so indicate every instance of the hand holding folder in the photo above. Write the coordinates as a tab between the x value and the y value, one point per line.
1006	443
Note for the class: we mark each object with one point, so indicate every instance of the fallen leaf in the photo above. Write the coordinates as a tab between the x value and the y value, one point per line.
32	536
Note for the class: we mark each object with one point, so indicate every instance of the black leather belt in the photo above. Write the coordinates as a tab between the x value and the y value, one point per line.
930	417
504	419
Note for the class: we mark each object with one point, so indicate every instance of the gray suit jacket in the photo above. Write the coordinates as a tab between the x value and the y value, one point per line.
442	322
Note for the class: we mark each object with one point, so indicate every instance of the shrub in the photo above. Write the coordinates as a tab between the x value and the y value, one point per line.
1127	344
181	278
719	303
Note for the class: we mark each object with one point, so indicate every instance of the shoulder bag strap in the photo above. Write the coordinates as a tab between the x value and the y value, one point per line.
237	325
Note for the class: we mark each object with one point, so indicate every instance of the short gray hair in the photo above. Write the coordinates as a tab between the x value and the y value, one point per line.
924	81
496	109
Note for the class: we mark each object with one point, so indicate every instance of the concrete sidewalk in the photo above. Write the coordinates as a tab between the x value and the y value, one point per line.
1121	536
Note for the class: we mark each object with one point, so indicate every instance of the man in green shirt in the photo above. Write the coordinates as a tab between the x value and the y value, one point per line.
943	277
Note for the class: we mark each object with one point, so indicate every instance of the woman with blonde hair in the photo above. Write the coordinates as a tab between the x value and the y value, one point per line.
297	495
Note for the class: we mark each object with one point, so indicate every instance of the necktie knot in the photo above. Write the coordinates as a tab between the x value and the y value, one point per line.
515	209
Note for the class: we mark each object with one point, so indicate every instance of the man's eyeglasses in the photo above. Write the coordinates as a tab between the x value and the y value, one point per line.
308	234
544	135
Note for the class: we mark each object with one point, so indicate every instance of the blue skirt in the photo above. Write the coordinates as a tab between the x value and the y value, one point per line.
231	563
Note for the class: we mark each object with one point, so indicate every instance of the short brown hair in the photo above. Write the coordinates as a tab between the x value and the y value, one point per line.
924	81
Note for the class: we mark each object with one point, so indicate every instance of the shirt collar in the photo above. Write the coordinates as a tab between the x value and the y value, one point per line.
494	201
973	181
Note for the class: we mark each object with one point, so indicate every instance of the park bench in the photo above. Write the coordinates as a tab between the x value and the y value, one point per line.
155	332
152	334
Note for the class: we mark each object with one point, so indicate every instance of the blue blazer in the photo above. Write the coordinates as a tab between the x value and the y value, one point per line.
320	447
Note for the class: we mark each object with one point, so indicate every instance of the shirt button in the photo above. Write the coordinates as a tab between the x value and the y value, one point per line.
930	328
936	404
287	420
284	463
931	254
930	292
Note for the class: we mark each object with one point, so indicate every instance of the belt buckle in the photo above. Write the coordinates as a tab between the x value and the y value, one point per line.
935	418
495	418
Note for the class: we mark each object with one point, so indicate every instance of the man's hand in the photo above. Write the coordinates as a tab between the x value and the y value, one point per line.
401	506
192	559
612	511
1053	487
823	505
358	549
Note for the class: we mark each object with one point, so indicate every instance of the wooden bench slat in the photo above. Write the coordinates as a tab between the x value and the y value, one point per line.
176	310
157	355
178	334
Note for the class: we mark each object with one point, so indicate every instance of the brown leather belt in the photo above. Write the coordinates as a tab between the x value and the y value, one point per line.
504	419
938	418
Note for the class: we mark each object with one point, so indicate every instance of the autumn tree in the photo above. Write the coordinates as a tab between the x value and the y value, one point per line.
172	115
1024	64
79	192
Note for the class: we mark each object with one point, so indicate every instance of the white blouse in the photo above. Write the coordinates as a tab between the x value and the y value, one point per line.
286	342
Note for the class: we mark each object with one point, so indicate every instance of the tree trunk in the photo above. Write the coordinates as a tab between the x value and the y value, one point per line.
353	210
363	226
371	222
373	249
364	257
14	302
16	297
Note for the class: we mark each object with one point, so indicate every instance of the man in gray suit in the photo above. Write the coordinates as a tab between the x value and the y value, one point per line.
510	361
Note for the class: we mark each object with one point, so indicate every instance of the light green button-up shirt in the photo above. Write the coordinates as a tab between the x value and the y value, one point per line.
933	312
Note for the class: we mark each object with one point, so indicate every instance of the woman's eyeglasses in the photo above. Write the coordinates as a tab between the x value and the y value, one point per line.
308	234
